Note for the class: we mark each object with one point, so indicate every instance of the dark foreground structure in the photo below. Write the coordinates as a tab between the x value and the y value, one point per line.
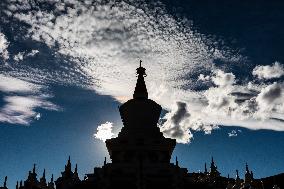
141	158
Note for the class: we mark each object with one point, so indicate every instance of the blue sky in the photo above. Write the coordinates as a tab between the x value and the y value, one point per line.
66	67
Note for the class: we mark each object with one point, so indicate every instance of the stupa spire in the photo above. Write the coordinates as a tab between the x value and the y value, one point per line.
140	89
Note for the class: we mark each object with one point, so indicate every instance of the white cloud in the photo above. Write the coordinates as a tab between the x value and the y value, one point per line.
4	54
202	77
33	52
223	79
181	121
106	41
110	38
275	70
104	131
10	84
20	109
271	100
21	98
19	57
233	133
250	106
176	124
37	116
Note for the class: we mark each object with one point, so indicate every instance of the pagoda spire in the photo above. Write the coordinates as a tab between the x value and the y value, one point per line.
5	182
68	165
75	176
247	169
237	175
51	183
76	169
176	161
205	169
34	169
43	179
140	89
212	167
43	174
105	161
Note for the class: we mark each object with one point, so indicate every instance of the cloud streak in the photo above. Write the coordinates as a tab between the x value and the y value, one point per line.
21	98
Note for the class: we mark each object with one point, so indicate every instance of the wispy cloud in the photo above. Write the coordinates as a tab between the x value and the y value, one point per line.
21	98
10	84
109	38
20	109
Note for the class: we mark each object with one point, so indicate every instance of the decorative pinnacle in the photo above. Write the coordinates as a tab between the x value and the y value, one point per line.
105	161
43	175
247	169
237	172
34	168
141	70
76	168
176	161
140	89
5	181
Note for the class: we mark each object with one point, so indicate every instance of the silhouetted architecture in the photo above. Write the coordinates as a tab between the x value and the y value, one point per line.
141	157
5	183
68	178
